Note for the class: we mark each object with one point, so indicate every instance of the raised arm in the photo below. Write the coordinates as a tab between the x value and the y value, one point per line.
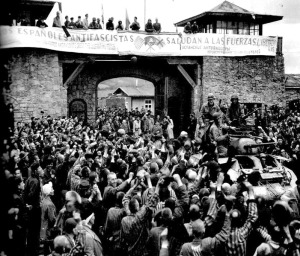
252	211
182	198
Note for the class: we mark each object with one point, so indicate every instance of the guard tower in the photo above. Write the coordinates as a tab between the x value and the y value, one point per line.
229	18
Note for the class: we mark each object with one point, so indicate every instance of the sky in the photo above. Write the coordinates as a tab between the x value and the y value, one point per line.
169	12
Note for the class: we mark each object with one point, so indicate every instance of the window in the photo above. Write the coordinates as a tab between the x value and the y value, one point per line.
221	27
209	28
232	27
246	28
148	104
254	29
226	27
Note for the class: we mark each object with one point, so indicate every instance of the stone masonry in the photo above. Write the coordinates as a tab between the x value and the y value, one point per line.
254	79
36	84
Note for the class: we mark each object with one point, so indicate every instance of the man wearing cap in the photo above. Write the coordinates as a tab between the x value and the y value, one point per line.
207	110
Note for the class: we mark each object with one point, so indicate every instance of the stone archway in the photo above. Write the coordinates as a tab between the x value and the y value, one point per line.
168	82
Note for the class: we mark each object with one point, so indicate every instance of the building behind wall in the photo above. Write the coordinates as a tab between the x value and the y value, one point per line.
132	98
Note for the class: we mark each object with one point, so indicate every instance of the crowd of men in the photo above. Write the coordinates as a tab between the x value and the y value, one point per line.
95	23
125	185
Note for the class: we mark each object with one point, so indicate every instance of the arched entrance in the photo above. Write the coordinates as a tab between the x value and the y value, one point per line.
169	80
78	108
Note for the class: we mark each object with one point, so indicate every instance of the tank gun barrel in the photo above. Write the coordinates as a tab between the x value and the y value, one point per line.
259	145
245	136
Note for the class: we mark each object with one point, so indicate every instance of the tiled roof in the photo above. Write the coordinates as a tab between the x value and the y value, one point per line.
229	7
292	81
135	91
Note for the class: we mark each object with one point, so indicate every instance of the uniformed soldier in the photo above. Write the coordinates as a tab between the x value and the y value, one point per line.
235	112
208	109
218	134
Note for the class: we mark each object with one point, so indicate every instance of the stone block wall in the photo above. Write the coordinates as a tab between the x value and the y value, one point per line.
85	87
256	79
36	84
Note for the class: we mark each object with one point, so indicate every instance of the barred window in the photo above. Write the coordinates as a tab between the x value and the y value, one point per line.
148	104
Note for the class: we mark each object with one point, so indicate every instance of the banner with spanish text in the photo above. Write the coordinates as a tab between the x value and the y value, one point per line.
136	43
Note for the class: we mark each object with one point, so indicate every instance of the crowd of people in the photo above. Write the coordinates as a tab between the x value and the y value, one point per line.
95	23
125	185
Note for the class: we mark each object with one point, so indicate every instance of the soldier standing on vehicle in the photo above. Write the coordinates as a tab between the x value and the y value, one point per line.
235	112
208	109
206	116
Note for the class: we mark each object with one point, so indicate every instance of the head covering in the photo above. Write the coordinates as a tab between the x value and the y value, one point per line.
121	131
47	189
210	96
191	174
183	134
234	96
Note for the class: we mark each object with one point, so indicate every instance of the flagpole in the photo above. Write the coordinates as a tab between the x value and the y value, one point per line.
144	12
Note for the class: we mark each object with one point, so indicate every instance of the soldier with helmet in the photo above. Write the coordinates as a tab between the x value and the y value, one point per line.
207	110
235	112
205	116
218	134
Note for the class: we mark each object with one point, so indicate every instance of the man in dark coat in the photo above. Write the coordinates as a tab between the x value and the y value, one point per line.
32	195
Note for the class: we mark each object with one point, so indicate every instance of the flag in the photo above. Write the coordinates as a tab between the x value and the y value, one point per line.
57	7
102	15
61	20
52	14
127	21
60	7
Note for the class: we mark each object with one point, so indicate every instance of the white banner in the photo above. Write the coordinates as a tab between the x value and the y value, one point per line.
137	43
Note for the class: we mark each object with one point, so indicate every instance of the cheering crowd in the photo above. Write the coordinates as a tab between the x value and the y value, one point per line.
125	185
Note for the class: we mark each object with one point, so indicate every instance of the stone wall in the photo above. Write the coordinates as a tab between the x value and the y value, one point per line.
36	84
84	87
257	79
